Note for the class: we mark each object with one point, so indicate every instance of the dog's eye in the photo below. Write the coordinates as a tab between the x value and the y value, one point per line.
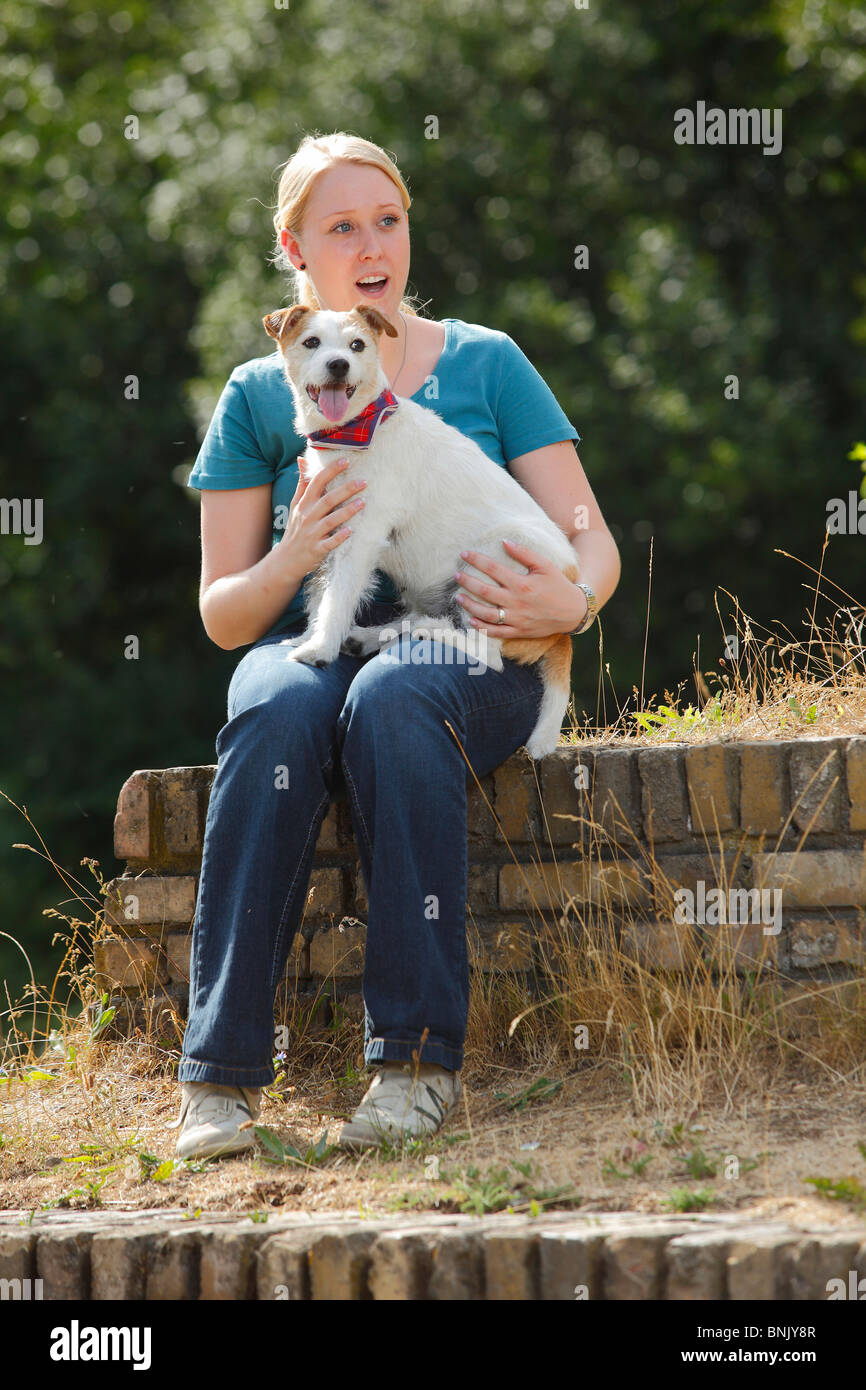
311	342
357	345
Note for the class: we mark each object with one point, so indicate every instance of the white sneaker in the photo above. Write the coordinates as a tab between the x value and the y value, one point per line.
397	1106
210	1119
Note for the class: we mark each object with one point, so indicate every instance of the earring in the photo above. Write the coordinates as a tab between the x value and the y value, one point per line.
303	265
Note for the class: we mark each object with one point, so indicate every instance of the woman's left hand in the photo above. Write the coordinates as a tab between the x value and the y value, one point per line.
536	604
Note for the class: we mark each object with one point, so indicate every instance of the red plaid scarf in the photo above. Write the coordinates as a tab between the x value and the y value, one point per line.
357	433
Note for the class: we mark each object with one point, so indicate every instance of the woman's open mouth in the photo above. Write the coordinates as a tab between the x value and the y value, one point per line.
373	285
332	399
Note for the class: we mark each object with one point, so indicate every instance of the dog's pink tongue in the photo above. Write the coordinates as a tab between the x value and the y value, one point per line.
332	402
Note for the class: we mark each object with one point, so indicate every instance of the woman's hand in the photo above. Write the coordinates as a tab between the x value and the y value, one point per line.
314	514
536	604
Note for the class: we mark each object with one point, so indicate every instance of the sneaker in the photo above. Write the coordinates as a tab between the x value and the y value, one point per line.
397	1106
211	1117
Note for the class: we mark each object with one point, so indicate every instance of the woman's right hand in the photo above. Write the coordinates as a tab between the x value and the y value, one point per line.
317	521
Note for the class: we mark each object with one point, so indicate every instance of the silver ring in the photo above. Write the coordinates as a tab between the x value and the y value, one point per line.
501	615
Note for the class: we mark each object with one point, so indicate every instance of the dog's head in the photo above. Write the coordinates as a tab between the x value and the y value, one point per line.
331	360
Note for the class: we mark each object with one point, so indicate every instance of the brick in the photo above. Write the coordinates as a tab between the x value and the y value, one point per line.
503	946
151	901
570	1260
457	1273
339	950
695	1266
17	1254
632	1263
400	1265
63	1264
664	805
616	883
545	887
178	950
814	1262
482	887
179	799
511	1265
565	804
741	946
757	1267
329	832
616	796
671	872
480	823
282	1267
340	1264
816	770
325	892
227	1269
515	799
119	1261
712	787
815	943
173	1266
659	945
298	959
762	787
132	823
360	904
134	964
814	878
855	766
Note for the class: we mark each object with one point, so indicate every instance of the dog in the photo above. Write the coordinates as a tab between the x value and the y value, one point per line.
431	492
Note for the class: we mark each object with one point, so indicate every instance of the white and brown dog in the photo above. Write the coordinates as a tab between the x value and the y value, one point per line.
431	492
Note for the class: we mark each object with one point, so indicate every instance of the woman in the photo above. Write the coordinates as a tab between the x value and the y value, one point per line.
377	726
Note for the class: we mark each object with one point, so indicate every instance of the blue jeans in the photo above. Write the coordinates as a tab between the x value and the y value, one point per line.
295	733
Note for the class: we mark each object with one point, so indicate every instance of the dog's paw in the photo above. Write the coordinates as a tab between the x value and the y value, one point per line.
364	641
310	653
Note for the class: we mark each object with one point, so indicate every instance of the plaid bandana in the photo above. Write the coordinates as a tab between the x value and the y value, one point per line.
357	433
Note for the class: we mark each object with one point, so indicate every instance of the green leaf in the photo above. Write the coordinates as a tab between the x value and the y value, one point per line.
271	1142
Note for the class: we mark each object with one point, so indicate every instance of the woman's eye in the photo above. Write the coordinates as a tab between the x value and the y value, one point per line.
311	342
389	217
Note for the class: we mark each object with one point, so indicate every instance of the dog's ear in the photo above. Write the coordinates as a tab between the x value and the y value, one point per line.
282	321
375	321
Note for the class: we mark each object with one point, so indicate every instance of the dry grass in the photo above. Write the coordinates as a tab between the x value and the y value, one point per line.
682	1071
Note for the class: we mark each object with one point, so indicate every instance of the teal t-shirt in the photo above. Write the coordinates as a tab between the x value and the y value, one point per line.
482	384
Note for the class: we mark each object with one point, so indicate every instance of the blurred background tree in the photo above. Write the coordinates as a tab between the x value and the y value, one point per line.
144	252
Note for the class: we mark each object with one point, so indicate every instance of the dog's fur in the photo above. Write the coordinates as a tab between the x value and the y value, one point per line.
431	492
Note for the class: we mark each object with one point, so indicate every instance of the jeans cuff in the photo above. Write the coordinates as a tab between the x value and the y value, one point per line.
384	1050
217	1075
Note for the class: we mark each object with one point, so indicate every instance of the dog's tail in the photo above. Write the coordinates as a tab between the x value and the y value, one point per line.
553	655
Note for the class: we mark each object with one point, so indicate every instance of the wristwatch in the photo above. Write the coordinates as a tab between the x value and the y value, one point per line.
591	610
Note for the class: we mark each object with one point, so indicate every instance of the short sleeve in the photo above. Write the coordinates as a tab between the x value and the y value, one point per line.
528	414
230	455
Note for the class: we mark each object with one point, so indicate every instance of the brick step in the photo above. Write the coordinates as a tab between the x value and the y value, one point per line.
156	1255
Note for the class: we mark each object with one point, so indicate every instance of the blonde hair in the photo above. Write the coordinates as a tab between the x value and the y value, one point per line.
314	154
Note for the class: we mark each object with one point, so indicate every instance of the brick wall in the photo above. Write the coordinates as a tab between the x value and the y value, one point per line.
616	829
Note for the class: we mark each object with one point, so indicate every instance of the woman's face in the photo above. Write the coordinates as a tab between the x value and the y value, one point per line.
354	227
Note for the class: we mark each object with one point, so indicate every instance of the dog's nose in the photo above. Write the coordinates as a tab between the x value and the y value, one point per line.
338	367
